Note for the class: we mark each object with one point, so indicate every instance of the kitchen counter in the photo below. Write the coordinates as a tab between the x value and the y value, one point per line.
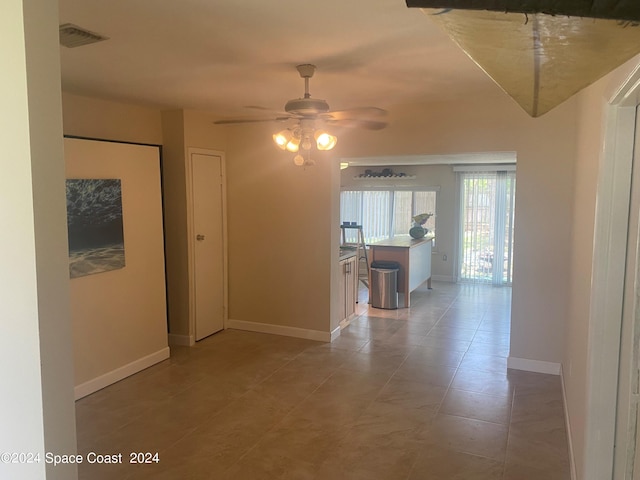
347	253
403	242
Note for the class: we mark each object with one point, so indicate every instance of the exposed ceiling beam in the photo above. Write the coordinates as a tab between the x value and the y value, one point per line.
614	10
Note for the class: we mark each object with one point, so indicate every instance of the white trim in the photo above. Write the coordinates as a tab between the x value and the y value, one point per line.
182	340
335	333
607	282
572	459
282	330
98	383
537	366
447	159
389	187
484	168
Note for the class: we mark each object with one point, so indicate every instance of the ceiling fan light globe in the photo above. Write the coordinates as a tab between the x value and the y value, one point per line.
293	145
282	138
325	141
298	160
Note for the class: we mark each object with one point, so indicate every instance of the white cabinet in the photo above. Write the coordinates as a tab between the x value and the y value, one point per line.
348	289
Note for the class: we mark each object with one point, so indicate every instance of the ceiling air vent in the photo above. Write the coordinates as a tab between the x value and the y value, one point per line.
73	36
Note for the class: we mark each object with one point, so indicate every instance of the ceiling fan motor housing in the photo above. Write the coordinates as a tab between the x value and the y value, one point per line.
306	106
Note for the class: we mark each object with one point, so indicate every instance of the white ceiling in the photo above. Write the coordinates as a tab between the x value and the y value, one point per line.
224	55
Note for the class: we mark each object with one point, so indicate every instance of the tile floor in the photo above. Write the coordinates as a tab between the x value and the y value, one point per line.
420	393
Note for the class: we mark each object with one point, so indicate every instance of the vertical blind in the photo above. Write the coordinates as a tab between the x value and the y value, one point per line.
486	226
385	213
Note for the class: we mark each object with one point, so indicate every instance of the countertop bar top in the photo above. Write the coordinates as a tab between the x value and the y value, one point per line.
403	242
346	253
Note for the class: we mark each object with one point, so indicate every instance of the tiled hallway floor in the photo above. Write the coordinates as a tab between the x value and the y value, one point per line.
420	393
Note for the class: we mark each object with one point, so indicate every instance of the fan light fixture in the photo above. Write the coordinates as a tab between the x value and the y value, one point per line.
304	136
308	117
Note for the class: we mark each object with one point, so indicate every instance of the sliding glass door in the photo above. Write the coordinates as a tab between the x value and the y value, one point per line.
486	226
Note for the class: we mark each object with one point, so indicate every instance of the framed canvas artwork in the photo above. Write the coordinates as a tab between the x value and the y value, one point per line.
94	221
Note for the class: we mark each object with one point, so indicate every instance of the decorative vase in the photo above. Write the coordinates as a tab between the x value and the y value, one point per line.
417	232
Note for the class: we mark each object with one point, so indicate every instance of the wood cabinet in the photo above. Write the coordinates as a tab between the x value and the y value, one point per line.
348	289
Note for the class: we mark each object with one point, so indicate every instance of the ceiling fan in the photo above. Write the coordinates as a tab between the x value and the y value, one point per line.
307	118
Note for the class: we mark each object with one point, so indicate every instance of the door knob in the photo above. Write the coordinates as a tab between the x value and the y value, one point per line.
199	237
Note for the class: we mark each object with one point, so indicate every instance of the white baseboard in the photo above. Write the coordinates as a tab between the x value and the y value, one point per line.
443	278
182	340
281	330
537	366
572	459
98	383
335	333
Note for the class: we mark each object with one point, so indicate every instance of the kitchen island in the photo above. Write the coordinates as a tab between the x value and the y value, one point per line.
414	258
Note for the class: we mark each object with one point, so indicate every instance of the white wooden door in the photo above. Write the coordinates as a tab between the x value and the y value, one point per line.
208	243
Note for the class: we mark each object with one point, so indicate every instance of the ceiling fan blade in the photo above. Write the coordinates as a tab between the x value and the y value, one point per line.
266	109
358	123
258	107
236	121
357	113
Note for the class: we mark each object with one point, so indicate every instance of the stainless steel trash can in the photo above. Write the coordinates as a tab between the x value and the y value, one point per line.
384	285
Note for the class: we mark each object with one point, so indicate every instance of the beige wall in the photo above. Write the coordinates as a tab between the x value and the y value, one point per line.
119	316
269	199
282	227
283	235
545	150
108	120
282	220
37	412
591	103
102	344
200	132
440	176
182	130
280	216
175	213
591	118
